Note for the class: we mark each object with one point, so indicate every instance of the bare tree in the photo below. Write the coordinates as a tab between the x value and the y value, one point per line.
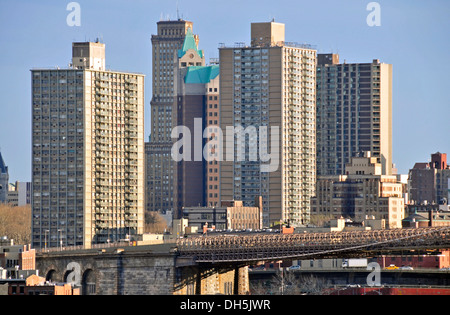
15	223
288	283
154	223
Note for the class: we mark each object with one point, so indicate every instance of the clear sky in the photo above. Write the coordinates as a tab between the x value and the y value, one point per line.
414	36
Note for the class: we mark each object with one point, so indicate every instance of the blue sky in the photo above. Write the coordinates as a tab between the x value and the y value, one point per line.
414	36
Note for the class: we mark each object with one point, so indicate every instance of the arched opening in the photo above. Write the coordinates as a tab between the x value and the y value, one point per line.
88	283
66	276
51	276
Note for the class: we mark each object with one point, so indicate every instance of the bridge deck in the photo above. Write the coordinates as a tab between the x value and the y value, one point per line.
250	248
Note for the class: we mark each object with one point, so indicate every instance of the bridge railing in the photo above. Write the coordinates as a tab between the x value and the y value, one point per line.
273	247
81	247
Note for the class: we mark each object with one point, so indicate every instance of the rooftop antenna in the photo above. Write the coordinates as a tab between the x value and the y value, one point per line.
178	11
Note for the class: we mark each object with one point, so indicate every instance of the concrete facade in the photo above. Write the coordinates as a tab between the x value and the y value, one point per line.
270	84
362	193
429	182
88	152
19	194
230	216
354	113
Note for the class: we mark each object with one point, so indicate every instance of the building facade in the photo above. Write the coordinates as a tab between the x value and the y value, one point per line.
212	123
196	112
19	194
270	84
160	166
16	261
354	113
232	215
429	181
360	194
88	152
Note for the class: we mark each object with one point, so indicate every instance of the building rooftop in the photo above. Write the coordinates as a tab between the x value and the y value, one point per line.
189	43
201	74
415	218
3	167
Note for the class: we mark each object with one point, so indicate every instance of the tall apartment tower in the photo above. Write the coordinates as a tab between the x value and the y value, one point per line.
4	180
354	113
270	84
88	152
159	164
196	109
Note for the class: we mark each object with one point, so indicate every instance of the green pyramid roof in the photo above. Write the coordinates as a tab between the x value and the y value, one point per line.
201	74
189	43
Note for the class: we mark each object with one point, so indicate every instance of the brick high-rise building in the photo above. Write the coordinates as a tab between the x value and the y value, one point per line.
88	152
272	84
354	113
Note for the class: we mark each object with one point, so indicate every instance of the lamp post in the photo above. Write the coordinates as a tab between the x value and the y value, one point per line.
60	238
45	235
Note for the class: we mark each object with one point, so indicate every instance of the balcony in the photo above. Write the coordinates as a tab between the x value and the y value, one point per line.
103	85
101	224
131	80
101	189
103	204
101	211
102	106
131	203
133	135
130	102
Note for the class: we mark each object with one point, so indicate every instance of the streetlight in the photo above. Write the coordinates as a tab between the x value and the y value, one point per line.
60	238
45	235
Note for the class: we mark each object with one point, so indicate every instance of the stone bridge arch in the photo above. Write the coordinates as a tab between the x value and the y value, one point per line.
67	269
52	274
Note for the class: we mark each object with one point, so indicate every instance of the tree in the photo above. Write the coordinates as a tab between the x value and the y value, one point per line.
288	283
15	223
154	223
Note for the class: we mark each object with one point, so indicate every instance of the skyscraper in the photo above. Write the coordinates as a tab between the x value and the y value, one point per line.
88	152
270	84
166	43
354	113
4	180
196	86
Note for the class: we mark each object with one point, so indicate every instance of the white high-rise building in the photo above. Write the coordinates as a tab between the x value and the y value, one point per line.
88	152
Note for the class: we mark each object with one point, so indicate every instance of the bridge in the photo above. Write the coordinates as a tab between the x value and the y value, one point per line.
268	247
218	264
